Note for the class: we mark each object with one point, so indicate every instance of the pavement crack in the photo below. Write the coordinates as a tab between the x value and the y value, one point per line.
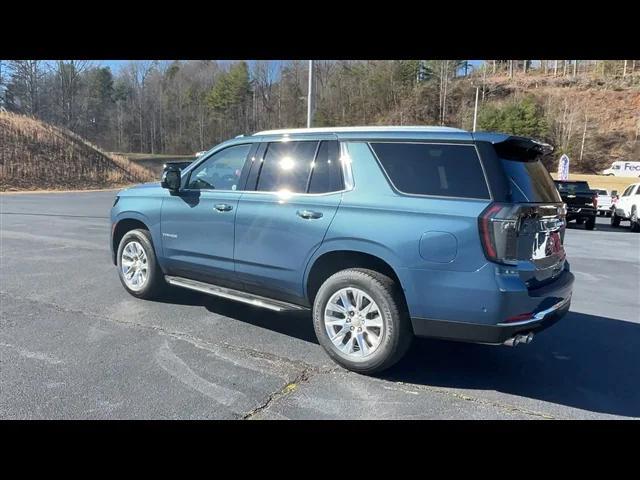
193	340
287	389
463	396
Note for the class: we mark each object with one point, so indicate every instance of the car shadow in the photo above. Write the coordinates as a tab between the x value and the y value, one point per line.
293	324
584	361
603	224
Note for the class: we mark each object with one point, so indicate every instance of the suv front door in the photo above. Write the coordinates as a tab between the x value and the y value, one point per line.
292	195
197	223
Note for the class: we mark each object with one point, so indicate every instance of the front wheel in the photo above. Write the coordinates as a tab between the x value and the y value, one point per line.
361	320
138	269
635	223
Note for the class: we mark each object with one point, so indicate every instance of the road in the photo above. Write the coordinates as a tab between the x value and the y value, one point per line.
74	344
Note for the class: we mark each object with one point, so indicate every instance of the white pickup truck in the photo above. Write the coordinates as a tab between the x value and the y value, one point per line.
628	208
605	202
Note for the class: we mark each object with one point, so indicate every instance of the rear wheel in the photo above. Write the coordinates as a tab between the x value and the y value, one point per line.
615	220
590	223
138	269
361	320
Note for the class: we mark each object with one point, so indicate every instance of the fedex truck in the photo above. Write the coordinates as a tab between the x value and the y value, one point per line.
623	169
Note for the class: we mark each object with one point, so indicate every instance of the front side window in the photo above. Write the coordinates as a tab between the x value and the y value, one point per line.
433	169
627	192
221	171
286	166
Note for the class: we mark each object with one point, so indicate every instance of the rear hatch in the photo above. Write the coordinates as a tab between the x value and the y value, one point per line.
527	229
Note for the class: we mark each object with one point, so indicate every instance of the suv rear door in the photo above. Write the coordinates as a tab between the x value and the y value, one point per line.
293	193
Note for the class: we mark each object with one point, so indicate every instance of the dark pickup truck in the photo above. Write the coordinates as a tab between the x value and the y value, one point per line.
582	202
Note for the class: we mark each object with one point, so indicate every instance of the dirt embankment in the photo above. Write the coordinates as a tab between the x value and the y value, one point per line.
37	156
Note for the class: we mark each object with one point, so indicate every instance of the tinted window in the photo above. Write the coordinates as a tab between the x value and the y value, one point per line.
430	169
573	187
286	166
326	175
221	171
530	181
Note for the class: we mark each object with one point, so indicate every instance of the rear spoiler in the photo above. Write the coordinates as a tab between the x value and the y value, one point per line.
513	147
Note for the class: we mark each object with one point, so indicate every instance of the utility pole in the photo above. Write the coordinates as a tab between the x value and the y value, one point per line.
475	111
310	96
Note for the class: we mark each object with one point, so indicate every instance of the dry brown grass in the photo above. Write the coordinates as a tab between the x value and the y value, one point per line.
36	156
602	181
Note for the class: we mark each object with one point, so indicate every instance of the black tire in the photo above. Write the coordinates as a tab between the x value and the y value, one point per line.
635	222
615	220
397	334
590	224
155	285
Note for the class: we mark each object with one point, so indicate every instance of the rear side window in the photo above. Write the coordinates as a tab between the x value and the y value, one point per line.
326	175
287	166
433	169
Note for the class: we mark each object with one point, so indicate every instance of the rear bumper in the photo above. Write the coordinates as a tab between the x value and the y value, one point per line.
492	334
582	212
547	305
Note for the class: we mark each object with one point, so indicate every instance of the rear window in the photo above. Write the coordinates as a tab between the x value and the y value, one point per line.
573	187
433	169
530	181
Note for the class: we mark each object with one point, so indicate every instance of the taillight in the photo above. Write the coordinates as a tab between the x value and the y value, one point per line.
498	226
595	201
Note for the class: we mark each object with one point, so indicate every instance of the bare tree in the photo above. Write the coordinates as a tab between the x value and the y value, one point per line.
29	73
68	76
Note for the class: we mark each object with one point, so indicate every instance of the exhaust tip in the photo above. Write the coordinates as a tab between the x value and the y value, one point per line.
518	339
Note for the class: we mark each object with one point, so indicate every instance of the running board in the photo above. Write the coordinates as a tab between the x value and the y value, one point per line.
230	293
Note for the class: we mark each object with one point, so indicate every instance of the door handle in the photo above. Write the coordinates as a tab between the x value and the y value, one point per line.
309	214
223	207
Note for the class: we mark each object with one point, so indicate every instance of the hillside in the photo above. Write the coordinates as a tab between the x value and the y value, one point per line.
609	109
35	156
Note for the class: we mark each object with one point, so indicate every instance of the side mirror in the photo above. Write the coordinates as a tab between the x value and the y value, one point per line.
171	178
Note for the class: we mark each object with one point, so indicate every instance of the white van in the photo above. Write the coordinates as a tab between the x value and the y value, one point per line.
623	169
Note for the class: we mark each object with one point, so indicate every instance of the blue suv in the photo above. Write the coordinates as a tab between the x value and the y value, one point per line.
382	232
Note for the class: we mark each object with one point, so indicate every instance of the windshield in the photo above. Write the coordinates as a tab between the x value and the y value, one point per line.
573	187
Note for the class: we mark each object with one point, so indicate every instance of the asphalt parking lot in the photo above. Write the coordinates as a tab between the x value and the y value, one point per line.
74	344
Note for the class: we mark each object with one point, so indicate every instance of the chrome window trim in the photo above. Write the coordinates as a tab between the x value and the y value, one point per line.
421	195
